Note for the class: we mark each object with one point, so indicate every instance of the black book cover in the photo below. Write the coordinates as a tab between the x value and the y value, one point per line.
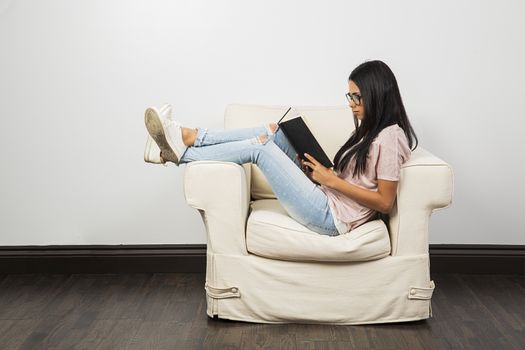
304	141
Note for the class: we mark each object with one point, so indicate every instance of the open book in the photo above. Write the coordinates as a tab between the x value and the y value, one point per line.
302	139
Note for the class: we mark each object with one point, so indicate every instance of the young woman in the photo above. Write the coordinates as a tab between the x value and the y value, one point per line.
361	187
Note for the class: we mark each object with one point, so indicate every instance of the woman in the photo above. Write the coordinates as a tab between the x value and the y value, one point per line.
363	184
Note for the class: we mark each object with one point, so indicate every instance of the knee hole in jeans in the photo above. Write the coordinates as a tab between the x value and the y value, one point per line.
262	139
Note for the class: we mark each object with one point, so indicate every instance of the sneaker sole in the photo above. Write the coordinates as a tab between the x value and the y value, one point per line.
156	131
151	150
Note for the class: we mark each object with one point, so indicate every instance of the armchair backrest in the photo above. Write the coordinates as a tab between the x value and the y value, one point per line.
426	182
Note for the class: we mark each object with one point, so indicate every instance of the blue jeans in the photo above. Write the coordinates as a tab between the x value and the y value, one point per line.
300	197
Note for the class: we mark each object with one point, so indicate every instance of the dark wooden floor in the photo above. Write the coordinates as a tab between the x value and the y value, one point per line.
168	311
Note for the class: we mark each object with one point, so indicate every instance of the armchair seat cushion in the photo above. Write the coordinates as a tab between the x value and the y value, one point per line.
273	234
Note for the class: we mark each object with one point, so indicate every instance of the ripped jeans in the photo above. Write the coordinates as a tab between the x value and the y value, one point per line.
276	158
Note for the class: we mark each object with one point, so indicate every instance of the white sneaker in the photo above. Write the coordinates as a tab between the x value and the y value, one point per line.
152	150
167	134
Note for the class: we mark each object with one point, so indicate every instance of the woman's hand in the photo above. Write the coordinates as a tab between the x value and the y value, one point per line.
319	172
304	168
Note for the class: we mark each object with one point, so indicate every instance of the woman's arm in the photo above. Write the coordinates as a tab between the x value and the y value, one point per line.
382	200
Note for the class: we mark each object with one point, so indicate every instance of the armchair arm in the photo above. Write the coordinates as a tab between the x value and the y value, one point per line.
426	185
221	192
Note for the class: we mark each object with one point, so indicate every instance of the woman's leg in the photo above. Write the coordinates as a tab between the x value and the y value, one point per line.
207	137
280	139
300	197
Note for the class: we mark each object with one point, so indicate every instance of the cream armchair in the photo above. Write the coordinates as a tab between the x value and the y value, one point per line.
263	266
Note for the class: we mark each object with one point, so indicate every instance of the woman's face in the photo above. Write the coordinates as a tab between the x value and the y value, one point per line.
357	109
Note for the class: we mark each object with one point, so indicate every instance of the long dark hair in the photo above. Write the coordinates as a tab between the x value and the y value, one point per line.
383	107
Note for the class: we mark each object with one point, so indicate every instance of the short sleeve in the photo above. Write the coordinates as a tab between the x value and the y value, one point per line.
393	153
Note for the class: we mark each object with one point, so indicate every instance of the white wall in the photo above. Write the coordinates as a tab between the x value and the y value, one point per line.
76	76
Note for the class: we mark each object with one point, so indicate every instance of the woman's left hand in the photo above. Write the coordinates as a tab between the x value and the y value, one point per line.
320	173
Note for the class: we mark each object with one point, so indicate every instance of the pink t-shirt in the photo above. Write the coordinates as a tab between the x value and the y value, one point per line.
386	155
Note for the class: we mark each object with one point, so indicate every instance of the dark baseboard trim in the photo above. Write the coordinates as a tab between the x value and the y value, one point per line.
477	258
170	258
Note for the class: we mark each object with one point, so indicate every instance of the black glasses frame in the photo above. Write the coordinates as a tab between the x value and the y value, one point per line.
353	97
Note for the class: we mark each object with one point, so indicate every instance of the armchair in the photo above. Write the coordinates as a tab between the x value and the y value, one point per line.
263	266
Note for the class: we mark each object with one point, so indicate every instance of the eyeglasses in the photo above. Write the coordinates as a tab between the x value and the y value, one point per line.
353	97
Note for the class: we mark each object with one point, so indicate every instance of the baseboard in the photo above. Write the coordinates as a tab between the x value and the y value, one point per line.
477	258
444	258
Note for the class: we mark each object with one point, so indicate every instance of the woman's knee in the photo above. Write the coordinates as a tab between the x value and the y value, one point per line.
261	148
270	128
262	139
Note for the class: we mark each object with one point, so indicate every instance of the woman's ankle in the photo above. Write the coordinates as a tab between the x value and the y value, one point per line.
188	136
